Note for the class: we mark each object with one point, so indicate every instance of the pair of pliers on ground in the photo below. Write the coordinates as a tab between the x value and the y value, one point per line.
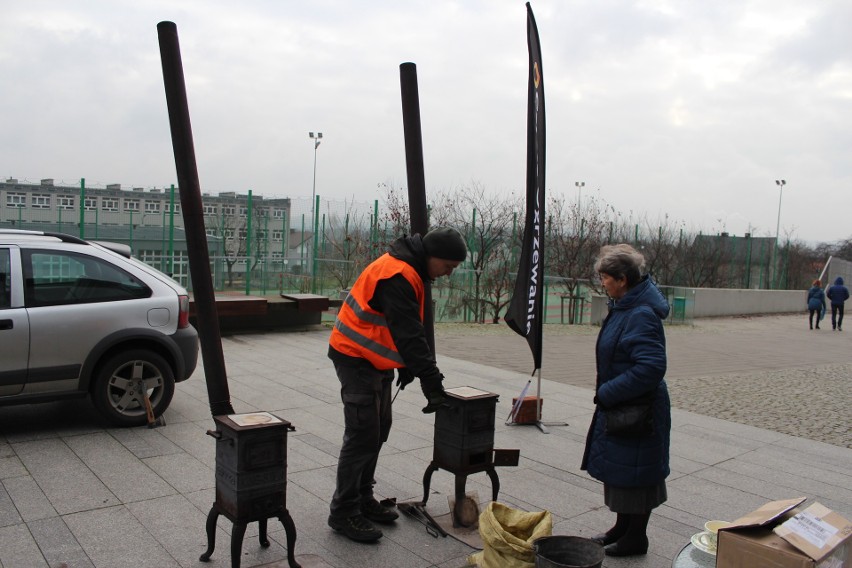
418	512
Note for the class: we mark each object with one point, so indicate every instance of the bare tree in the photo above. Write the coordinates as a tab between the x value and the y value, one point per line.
574	237
347	246
486	222
233	230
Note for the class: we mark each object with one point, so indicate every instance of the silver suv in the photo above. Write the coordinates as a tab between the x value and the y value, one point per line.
84	318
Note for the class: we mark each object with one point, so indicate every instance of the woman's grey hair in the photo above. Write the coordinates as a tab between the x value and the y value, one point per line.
621	261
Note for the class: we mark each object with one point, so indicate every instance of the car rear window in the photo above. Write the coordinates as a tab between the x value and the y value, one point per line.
55	277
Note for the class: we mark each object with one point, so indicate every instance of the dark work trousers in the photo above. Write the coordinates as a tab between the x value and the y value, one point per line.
837	316
366	394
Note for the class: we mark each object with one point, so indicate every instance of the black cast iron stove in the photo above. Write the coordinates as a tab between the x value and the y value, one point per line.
251	479
464	443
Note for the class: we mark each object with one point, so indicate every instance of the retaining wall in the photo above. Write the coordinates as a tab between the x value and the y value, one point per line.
715	302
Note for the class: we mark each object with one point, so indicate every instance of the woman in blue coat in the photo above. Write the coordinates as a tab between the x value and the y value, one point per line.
816	302
631	363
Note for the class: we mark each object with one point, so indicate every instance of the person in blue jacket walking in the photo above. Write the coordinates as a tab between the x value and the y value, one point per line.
631	362
816	302
838	294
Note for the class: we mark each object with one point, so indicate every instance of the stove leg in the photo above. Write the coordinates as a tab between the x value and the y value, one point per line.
237	534
427	480
290	531
212	518
495	483
461	480
261	533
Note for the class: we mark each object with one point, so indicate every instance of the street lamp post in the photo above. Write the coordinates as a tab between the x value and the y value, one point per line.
314	214
316	137
780	183
580	185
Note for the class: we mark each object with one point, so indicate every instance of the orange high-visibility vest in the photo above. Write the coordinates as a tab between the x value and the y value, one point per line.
361	331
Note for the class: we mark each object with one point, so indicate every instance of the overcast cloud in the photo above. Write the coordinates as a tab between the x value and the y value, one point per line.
686	108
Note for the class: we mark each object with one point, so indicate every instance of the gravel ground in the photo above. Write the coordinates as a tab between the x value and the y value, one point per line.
810	403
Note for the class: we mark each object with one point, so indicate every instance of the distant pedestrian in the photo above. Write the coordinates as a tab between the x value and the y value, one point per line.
816	302
838	294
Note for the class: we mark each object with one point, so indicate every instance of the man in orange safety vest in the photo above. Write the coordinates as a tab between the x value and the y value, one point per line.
380	328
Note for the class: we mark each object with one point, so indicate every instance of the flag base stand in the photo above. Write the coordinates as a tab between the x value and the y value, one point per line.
543	426
527	409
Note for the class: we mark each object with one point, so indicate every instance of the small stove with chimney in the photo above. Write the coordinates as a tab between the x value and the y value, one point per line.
251	479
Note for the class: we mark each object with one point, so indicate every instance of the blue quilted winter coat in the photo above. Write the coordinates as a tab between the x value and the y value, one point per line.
816	298
631	361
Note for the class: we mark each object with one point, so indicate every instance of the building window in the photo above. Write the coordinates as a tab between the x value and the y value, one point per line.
243	233
109	204
40	201
16	199
228	210
229	233
278	213
210	232
152	207
131	205
277	235
65	202
210	209
90	203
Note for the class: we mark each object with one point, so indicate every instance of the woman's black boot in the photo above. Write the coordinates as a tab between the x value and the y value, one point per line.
616	532
635	540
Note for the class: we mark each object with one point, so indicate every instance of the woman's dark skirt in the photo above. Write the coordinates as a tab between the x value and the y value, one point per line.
634	500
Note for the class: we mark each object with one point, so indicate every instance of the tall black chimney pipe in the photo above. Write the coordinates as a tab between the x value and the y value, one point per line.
193	220
416	177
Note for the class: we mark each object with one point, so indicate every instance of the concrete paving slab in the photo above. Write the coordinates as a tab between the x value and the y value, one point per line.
19	549
114	537
67	482
57	544
29	500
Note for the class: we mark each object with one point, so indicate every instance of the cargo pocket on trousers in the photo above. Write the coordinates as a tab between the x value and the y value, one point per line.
359	411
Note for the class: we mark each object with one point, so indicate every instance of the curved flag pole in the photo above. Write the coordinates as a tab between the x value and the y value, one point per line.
525	314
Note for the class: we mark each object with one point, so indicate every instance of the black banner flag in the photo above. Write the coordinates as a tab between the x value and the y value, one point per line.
526	310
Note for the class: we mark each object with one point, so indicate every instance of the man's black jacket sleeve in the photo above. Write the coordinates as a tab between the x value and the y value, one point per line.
396	299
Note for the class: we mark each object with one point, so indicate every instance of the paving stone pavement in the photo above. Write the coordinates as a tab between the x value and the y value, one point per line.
76	493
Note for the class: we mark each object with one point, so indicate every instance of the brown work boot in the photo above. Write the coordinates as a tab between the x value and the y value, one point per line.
356	528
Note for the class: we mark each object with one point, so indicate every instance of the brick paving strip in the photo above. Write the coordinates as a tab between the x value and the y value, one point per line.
770	371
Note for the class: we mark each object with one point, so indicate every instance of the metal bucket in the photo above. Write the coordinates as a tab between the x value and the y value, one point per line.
567	552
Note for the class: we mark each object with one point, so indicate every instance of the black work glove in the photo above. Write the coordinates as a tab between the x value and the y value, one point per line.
404	377
433	390
437	399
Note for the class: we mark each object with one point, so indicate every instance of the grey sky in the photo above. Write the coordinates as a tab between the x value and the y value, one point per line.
680	107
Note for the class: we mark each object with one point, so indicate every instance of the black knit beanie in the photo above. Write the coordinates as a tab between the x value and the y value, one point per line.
445	243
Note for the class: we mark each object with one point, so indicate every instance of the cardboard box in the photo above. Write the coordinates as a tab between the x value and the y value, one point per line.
527	413
780	535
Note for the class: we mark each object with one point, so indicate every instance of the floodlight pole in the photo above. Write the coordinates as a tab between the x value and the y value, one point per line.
580	185
316	137
780	183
